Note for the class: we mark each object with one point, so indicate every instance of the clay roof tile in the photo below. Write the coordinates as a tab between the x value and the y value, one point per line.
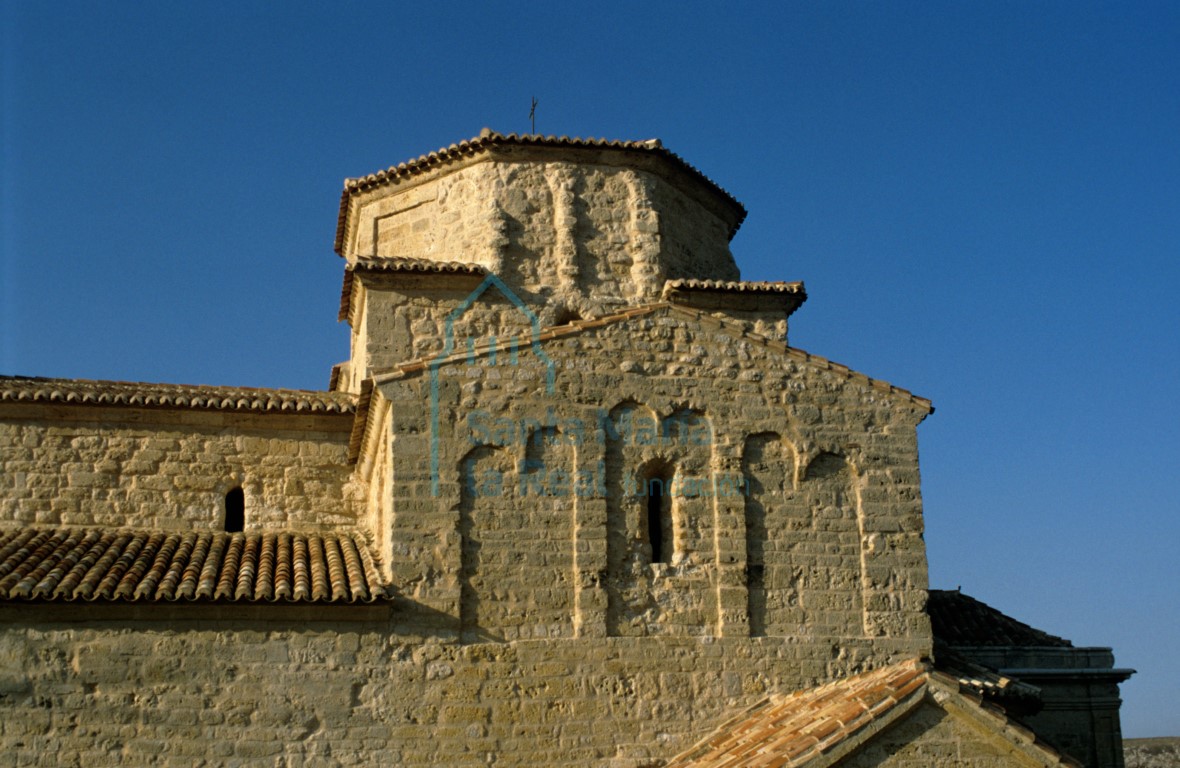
64	564
32	389
789	730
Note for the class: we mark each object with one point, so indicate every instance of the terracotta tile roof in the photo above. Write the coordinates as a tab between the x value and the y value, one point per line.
736	286
376	265
30	389
981	680
489	139
92	564
961	620
822	726
791	730
726	295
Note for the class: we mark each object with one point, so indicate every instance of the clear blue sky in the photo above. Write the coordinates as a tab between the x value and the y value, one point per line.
982	197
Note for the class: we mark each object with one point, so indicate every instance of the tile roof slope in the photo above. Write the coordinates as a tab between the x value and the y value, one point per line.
982	680
959	620
113	564
399	264
35	389
790	730
823	725
488	139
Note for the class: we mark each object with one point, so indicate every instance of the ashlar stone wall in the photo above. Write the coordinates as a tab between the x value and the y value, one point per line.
299	690
571	239
171	469
550	224
935	736
399	318
790	503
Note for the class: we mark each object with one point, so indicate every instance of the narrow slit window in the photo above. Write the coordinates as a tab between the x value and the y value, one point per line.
659	519
235	510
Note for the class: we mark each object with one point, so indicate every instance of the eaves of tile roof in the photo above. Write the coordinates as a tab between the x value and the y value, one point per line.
820	726
363	421
961	620
32	389
736	294
734	286
489	140
378	265
46	565
984	681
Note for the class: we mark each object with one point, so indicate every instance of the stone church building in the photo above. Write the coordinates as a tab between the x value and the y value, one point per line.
573	499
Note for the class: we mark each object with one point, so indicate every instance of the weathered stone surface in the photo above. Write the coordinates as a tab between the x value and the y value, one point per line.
1152	753
82	465
276	690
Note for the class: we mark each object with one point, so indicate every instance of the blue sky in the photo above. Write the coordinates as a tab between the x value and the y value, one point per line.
983	199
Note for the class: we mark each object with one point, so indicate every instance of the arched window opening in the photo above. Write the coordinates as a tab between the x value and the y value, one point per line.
659	516
235	510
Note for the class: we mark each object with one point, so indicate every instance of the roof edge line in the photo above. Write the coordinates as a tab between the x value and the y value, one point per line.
488	140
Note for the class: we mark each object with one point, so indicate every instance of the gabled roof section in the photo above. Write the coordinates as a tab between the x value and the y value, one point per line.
581	326
489	141
577	327
823	726
118	565
984	681
961	620
31	389
794	729
377	266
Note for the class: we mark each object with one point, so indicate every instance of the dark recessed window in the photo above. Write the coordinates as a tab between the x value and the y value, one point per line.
565	316
235	511
659	518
